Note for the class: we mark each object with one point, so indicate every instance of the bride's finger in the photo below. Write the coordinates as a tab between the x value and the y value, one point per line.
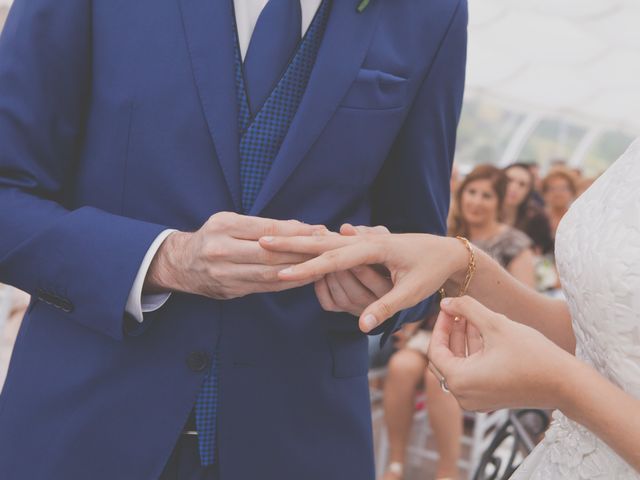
458	338
344	258
471	309
405	294
311	245
350	230
474	339
440	354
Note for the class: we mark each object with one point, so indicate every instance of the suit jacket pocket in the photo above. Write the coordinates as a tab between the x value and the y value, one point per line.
350	354
376	90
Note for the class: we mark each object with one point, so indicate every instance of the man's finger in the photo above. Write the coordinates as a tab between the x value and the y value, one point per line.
348	230
374	281
334	261
324	296
259	273
312	245
359	295
250	252
252	228
338	292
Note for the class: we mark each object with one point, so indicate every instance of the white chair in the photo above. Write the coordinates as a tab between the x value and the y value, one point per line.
477	442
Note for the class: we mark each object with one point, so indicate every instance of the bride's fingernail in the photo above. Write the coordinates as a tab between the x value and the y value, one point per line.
370	322
287	271
445	302
267	239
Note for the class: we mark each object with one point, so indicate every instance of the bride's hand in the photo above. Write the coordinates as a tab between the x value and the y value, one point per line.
490	362
419	265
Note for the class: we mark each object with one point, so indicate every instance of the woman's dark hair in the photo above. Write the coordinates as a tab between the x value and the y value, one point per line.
498	181
523	209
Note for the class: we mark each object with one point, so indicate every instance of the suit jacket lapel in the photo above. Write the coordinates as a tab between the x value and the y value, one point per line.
208	26
345	43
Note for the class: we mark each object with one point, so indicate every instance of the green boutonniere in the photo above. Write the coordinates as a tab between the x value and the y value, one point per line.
362	4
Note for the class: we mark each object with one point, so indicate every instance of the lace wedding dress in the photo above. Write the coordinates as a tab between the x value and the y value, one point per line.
598	256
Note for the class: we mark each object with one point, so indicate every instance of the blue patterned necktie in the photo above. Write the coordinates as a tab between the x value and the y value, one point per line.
272	44
260	140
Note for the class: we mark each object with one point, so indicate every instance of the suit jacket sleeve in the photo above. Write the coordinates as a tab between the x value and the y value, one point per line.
81	261
412	191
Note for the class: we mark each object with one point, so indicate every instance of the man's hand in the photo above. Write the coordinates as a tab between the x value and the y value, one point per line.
224	260
353	290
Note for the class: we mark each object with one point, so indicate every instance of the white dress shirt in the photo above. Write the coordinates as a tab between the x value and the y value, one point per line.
247	13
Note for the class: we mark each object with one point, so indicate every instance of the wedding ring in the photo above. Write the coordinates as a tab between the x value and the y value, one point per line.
444	386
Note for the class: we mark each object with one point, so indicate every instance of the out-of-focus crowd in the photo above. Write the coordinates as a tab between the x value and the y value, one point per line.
512	214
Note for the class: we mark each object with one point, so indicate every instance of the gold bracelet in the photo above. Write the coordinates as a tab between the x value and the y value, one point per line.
471	269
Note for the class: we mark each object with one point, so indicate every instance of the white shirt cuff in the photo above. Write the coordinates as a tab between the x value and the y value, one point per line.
137	303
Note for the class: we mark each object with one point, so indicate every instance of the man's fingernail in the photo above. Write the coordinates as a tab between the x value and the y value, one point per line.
370	322
287	271
267	239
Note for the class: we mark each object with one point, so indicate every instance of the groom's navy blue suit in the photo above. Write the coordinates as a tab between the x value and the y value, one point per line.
118	119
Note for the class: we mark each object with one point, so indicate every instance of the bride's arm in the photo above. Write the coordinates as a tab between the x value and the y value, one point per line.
420	264
496	288
606	410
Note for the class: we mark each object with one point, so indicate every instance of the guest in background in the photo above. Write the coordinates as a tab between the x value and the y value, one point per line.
521	212
583	184
480	200
536	195
559	190
476	211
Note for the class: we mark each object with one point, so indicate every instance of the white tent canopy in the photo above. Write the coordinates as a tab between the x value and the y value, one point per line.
576	58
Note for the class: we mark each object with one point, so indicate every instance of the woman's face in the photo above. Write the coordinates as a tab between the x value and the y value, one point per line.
558	194
479	203
518	186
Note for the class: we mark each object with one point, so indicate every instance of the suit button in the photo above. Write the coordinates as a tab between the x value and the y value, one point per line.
198	361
